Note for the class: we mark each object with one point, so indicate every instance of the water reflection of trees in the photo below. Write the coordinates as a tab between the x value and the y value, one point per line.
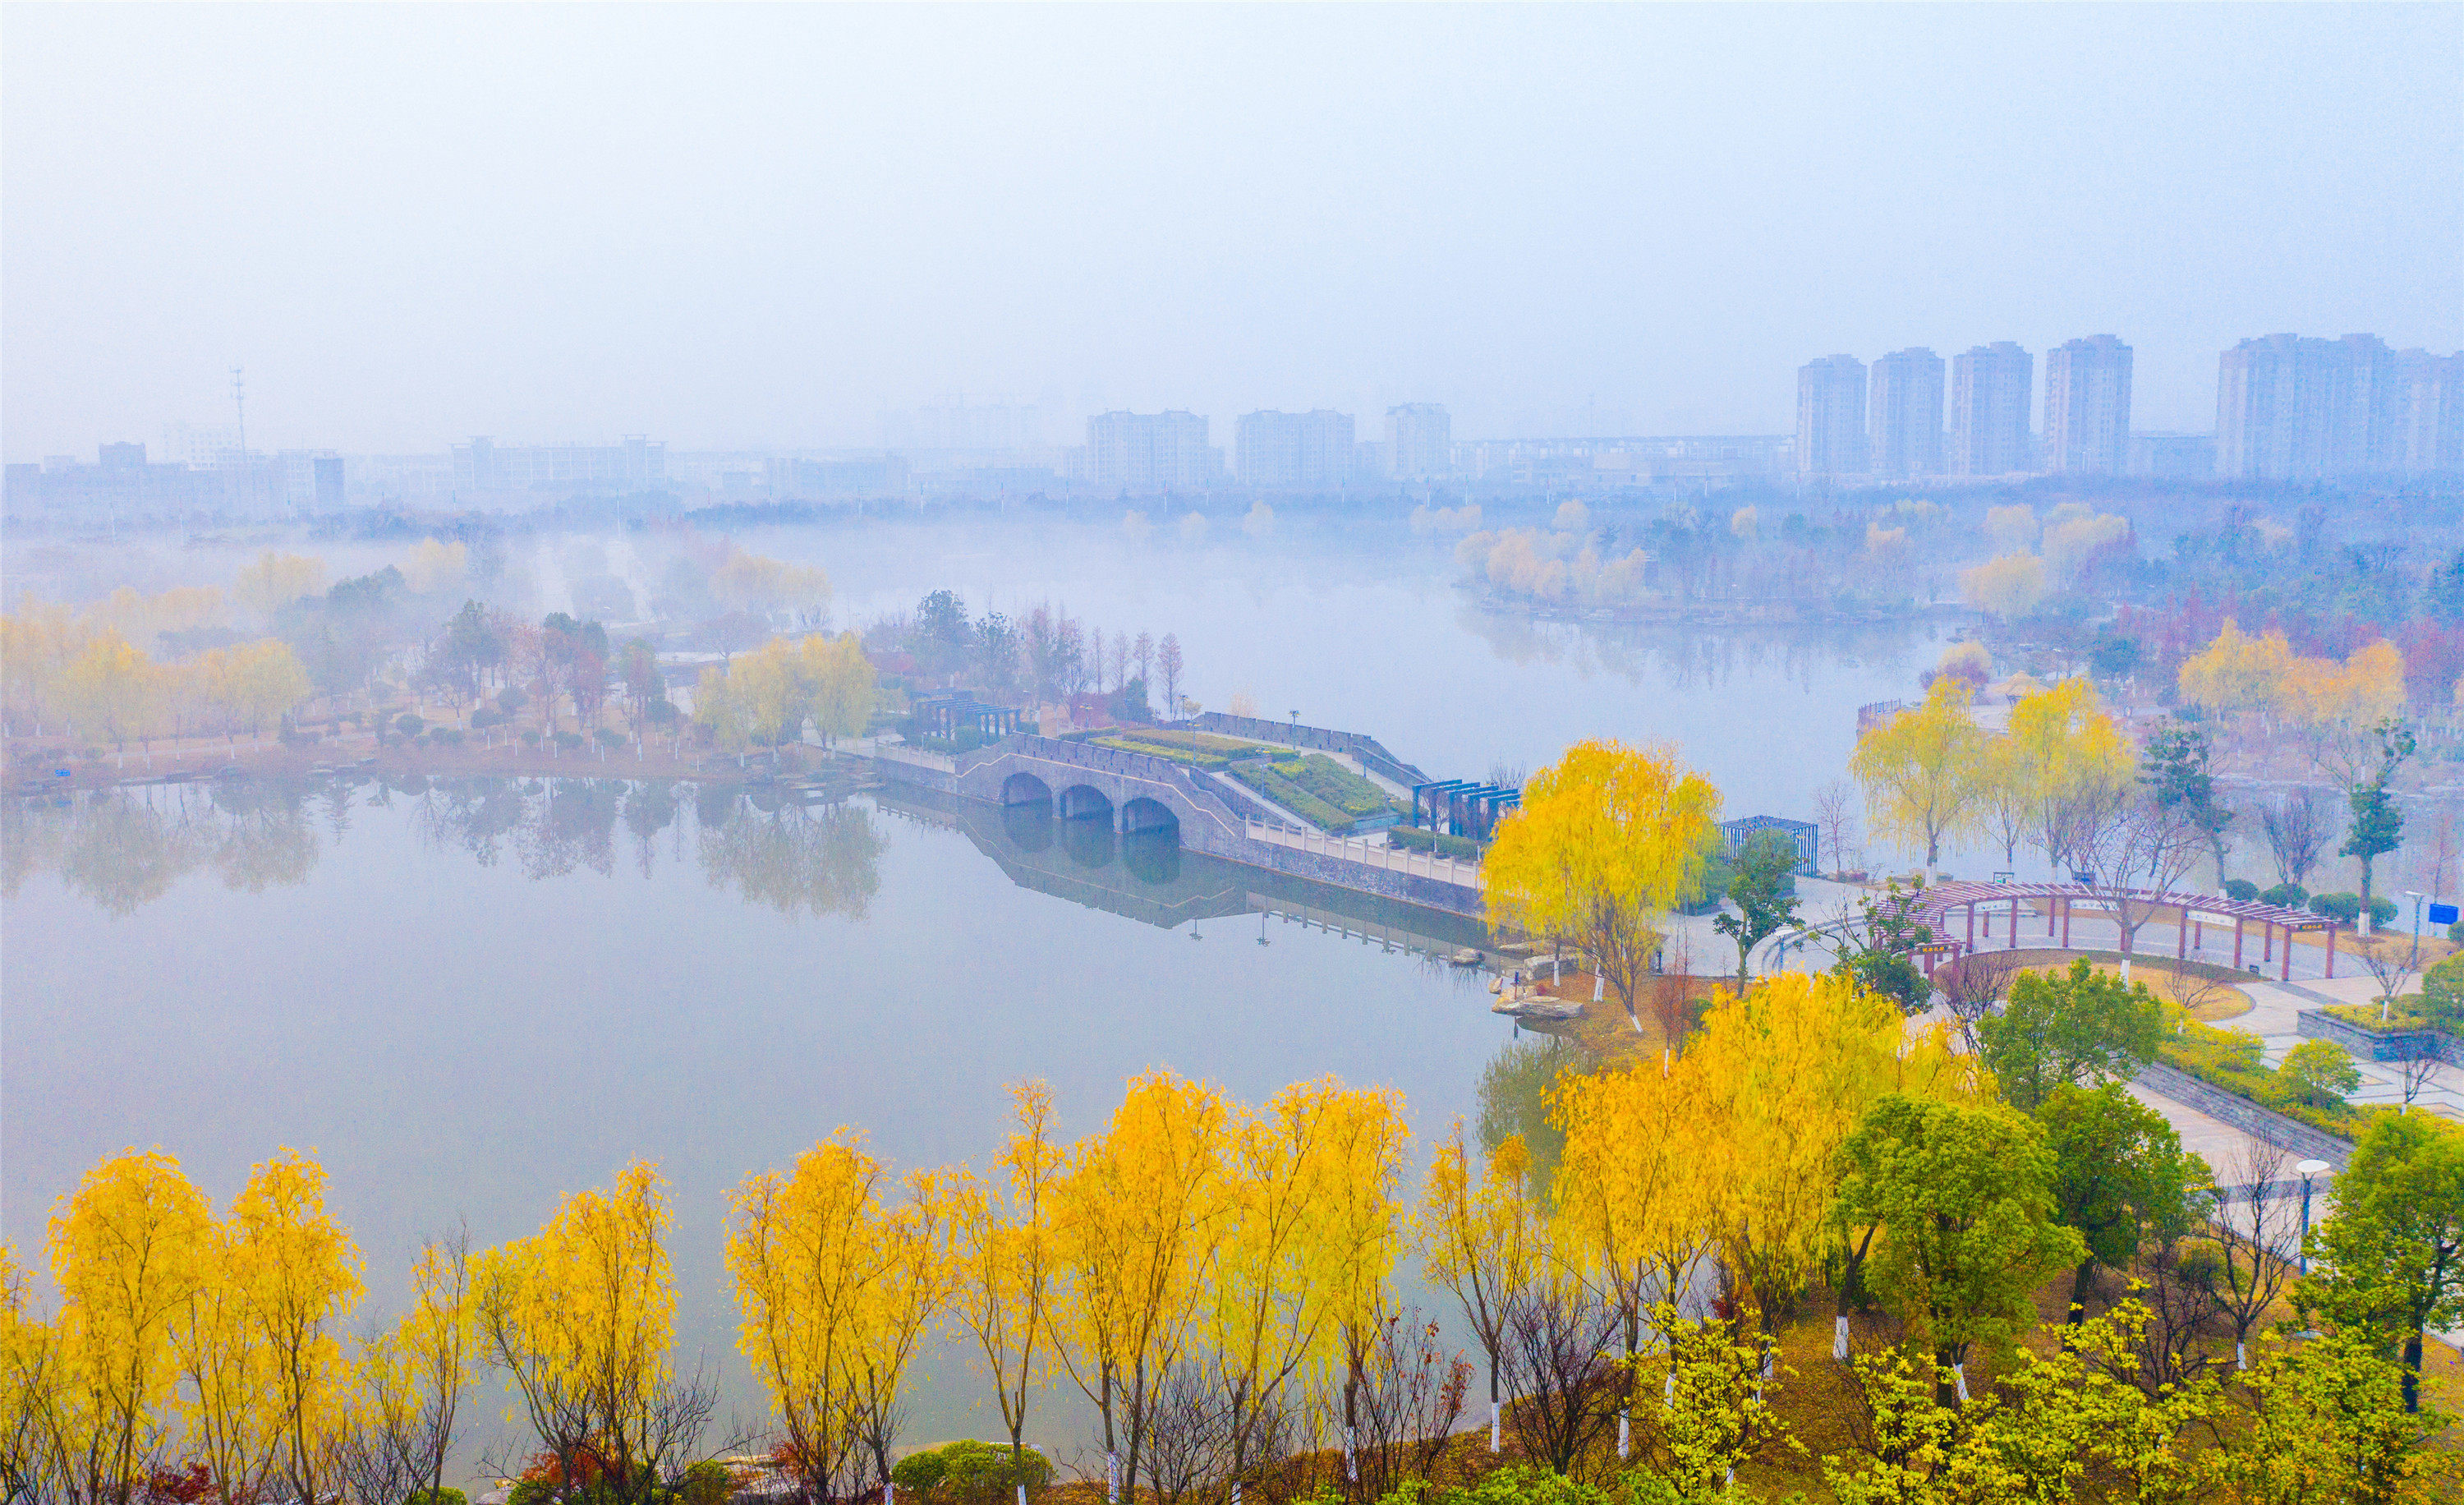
1682	657
123	848
820	860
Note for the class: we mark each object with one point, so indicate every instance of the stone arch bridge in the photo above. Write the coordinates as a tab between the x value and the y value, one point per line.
1132	791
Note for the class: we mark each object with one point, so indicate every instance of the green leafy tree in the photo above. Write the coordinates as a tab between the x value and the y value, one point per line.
2393	1257
1964	1199
1877	954
2174	763
2328	1421
2320	1074
2074	1028
2120	1178
2378	824
1765	892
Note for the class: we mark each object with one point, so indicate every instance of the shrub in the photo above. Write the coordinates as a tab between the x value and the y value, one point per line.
1411	838
2442	992
2342	908
611	738
2242	889
2455	934
568	741
706	1483
662	711
510	699
2290	896
445	736
2381	910
482	719
972	1471
407	725
531	736
2319	1074
447	1496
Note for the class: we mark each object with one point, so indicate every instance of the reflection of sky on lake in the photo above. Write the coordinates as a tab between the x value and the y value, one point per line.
468	998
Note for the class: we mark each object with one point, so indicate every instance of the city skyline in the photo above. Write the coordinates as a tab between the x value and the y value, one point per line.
909	203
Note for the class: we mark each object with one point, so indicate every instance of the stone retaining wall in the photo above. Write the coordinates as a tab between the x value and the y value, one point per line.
2369	1045
2246	1116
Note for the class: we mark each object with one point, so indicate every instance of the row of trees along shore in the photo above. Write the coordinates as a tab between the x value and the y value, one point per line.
1221	1284
2066	779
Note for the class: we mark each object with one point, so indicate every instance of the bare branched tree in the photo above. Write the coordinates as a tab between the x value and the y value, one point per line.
2390	966
1834	813
2138	848
2415	1074
2180	1284
2194	991
1409	1405
2297	827
2255	1237
1973	985
1188	1436
1559	1364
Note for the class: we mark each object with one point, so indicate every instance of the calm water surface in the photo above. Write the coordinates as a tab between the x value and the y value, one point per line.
470	999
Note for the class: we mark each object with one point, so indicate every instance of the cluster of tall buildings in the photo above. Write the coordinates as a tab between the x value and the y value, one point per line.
2287	409
1271	451
1900	418
2291	409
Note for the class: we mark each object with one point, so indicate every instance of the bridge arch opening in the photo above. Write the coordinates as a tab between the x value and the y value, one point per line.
1026	788
1084	801
1143	814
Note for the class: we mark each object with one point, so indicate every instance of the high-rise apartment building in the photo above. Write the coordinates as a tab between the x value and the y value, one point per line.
2430	407
1420	441
1991	387
2087	407
1830	417
1904	406
1150	451
2294	409
1294	450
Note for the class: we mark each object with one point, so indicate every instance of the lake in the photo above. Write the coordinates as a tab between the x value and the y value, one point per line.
471	998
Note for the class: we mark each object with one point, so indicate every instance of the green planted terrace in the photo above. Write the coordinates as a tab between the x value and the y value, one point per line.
1316	789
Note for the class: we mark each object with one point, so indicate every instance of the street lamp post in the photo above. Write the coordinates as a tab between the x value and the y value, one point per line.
2308	1169
2418	899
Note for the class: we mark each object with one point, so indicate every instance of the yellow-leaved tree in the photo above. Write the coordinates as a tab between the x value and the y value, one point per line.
1357	1218
2078	766
580	1316
412	1379
1787	1071
1922	770
1136	1219
2011	586
92	1388
1631	1214
1004	1260
1609	837
1483	1240
840	684
277	579
2237	674
110	689
802	1247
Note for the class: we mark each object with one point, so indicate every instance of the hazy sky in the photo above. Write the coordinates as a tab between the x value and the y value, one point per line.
763	226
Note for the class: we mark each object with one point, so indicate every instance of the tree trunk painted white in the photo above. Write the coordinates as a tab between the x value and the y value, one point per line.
1492	1425
1840	1338
1959	1379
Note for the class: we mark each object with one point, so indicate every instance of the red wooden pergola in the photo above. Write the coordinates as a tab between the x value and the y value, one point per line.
1973	901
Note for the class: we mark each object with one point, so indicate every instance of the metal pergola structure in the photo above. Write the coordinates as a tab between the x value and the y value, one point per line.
1464	807
943	715
2193	912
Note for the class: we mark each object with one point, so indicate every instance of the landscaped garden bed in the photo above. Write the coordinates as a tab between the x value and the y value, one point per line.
1316	789
1192	749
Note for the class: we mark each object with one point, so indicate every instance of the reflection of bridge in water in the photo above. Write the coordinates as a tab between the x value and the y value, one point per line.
1149	876
1111	795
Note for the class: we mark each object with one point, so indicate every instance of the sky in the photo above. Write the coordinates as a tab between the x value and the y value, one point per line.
762	226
